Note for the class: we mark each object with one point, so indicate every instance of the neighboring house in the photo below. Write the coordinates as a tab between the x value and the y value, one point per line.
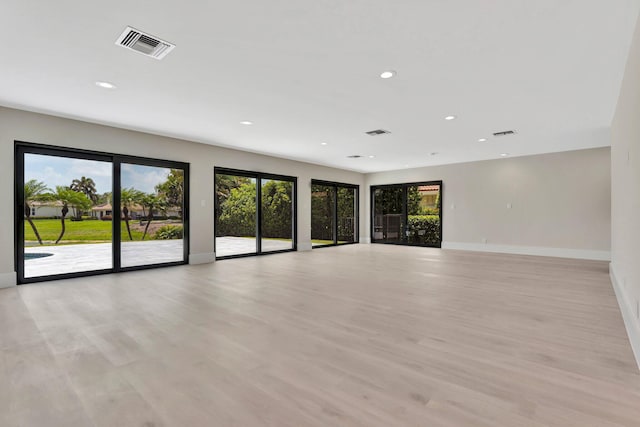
429	195
135	211
46	209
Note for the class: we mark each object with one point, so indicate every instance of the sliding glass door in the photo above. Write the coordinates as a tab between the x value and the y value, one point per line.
254	213
152	214
409	214
388	214
334	213
277	215
236	214
58	227
80	213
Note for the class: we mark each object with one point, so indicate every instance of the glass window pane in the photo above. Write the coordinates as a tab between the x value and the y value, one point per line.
388	217
62	233
423	214
236	215
347	222
151	212
322	213
277	215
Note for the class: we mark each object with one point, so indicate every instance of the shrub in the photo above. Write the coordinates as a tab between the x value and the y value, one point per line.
106	218
430	211
169	232
423	229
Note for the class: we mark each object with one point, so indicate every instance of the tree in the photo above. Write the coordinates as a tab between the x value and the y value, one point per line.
172	190
237	215
413	200
69	198
128	197
346	213
224	185
34	191
277	209
322	211
104	198
87	187
151	202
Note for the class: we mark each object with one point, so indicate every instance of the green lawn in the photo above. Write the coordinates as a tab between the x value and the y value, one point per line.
76	231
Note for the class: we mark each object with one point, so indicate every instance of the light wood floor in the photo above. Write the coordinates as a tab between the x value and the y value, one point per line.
363	335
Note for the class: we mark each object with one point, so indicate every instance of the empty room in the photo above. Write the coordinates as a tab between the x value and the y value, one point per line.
320	213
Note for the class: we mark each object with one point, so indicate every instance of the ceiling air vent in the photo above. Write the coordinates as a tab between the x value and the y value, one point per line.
354	156
377	132
505	133
144	43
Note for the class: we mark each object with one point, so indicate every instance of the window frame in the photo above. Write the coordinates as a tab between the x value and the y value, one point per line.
258	176
335	185
404	187
116	160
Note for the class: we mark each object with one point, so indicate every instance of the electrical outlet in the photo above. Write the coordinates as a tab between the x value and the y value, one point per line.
508	205
484	240
453	205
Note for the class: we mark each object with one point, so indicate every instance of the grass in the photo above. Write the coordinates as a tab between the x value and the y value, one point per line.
77	231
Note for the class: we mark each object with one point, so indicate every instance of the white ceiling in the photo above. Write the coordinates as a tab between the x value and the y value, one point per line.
307	71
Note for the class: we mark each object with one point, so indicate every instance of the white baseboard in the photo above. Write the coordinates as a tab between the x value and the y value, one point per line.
631	323
365	240
306	246
8	280
530	250
205	258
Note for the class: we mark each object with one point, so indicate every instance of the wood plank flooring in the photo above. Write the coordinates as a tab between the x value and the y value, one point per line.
362	335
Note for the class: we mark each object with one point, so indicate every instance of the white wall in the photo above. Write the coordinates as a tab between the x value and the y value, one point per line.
625	180
44	129
560	203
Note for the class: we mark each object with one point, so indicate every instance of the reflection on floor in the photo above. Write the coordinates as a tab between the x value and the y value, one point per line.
226	246
97	256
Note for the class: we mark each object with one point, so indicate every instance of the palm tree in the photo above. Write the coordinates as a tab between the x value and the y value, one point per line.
129	196
151	202
69	197
33	191
87	187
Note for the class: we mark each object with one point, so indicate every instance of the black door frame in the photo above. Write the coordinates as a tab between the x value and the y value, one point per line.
404	187
335	186
258	176
21	148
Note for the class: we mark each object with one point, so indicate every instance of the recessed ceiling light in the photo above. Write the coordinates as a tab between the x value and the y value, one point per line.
106	85
323	143
504	154
450	118
482	140
387	74
246	122
406	166
371	157
435	153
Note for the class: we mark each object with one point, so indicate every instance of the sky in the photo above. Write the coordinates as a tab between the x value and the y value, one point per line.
54	171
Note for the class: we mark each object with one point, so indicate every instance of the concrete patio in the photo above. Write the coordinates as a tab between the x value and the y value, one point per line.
66	259
97	256
228	245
